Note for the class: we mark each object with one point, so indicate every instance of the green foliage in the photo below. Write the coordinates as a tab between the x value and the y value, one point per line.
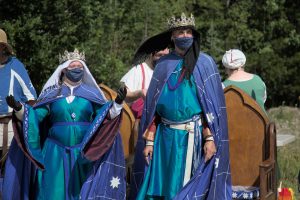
110	31
287	120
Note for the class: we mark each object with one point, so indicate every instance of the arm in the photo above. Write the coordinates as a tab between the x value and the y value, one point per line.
133	82
27	92
209	144
149	136
134	95
117	105
17	106
29	140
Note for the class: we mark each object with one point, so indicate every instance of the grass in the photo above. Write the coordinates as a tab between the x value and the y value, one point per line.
287	121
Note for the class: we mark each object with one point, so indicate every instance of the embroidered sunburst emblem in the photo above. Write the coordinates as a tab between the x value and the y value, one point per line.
245	195
115	182
234	195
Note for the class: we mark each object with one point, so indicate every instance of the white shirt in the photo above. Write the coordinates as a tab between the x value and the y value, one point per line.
133	79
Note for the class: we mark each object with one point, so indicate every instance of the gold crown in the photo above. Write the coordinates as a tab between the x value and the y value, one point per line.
174	22
76	55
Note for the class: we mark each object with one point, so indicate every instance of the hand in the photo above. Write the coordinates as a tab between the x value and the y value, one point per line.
121	95
148	151
11	102
209	149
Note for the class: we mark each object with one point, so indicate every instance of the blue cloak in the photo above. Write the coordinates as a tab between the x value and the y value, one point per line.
212	179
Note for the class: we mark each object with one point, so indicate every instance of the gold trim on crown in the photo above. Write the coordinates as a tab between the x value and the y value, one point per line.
76	55
182	21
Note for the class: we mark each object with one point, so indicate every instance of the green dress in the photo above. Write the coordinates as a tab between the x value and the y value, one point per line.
255	87
60	151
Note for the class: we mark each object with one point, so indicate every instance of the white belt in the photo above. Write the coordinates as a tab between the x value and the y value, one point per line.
190	127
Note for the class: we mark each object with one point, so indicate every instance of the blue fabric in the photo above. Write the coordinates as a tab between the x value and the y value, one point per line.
241	192
60	153
184	42
14	80
166	171
212	180
61	91
107	178
74	75
19	173
111	164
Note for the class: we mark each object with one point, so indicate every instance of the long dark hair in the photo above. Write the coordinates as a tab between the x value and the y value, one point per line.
191	56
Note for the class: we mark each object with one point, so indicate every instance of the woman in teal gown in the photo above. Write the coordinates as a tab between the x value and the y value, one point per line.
61	133
60	153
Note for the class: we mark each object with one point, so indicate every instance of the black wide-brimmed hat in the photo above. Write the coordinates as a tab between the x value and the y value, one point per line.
163	40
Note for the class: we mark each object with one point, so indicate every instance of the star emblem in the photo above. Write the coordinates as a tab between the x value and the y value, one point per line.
234	195
245	195
115	182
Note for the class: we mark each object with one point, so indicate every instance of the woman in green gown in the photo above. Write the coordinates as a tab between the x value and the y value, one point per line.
63	133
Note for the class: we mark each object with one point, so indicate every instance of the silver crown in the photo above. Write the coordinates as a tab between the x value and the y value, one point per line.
182	21
76	55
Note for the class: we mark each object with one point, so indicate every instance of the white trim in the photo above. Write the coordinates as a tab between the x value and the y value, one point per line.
26	90
189	159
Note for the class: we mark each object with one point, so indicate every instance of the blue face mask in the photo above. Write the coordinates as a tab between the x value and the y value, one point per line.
74	75
183	43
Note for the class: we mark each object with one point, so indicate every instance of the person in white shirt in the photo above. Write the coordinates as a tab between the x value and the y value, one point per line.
134	78
137	81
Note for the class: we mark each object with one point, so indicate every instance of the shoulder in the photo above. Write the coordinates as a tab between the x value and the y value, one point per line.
91	93
204	58
17	65
16	62
166	60
258	79
207	63
132	74
226	82
89	88
135	69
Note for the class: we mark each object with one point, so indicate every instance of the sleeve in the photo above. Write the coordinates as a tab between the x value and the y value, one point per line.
149	134
132	79
32	133
97	108
27	90
114	111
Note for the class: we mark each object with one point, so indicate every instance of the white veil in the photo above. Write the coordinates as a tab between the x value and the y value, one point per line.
88	79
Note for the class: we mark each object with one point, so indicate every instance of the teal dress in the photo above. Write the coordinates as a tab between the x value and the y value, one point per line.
165	175
65	168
